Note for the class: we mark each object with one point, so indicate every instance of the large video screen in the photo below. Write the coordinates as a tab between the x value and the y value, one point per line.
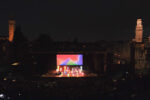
69	59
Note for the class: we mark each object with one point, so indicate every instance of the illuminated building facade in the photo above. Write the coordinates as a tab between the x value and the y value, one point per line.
140	56
140	51
135	52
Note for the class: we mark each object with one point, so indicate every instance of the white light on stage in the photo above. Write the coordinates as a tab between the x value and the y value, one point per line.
81	68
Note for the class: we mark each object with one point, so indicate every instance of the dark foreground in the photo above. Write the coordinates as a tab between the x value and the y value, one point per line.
95	88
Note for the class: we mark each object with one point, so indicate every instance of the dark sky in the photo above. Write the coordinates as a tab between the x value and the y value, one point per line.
86	20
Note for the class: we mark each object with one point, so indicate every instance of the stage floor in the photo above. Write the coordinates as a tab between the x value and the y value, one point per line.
54	74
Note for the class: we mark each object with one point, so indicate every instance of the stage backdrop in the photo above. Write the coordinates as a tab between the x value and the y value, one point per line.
69	59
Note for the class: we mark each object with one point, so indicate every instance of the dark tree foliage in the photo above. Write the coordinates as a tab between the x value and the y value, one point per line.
43	43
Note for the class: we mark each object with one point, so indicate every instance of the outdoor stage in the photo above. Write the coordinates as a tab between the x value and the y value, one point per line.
69	65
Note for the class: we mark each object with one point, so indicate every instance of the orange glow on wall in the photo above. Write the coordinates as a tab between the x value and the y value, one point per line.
11	30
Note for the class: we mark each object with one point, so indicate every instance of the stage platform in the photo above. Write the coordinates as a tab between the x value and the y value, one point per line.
55	74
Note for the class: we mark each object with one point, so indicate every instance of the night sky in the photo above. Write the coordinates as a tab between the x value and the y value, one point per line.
67	20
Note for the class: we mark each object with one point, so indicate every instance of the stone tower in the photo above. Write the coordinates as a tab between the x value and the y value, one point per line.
139	31
11	29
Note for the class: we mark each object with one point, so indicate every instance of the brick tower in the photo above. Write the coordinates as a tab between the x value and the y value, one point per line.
139	31
11	29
